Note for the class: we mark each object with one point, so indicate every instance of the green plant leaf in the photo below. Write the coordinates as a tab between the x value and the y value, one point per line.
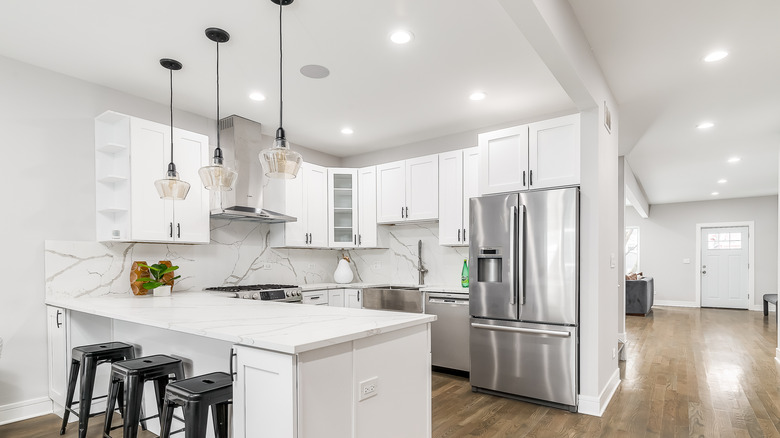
144	279
151	285
171	269
176	277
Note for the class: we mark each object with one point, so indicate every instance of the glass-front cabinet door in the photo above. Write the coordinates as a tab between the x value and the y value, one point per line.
342	205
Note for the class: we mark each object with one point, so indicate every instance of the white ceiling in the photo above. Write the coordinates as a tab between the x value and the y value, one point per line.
651	54
392	95
389	94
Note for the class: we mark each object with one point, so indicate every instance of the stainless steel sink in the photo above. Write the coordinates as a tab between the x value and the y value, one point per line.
398	298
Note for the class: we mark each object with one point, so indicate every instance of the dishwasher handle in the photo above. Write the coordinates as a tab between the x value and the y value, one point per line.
456	301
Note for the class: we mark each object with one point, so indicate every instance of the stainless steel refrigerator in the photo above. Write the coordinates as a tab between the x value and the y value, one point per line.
524	295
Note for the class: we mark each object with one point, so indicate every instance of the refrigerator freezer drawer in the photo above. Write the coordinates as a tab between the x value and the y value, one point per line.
537	361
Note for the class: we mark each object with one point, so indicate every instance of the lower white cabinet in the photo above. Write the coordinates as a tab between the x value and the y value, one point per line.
336	297
353	299
315	297
57	343
316	394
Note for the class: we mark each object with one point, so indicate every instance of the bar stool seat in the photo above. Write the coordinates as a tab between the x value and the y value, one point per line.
83	366
196	395
133	374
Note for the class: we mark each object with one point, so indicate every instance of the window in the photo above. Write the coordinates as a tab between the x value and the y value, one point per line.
632	249
724	240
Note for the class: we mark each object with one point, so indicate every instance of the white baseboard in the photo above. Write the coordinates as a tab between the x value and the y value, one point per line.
596	405
14	412
671	303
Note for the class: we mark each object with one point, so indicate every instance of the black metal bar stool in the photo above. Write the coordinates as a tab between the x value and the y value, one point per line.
83	366
196	395
133	374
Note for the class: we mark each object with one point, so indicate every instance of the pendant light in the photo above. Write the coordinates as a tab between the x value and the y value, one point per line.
217	176
279	161
171	187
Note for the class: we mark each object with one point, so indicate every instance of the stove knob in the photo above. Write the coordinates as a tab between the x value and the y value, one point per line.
245	296
288	293
255	296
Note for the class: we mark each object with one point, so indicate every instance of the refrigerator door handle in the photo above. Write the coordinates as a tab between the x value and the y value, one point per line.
513	251
529	331
520	280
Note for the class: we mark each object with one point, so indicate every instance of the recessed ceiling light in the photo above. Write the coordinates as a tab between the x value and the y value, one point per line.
705	125
734	160
477	95
722	181
315	71
347	131
716	56
401	36
257	96
715	193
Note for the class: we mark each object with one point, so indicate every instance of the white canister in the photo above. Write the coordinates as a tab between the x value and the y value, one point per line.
343	273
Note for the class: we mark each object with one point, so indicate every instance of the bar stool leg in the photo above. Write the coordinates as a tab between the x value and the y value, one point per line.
85	393
196	417
133	402
74	374
113	392
219	415
166	418
159	391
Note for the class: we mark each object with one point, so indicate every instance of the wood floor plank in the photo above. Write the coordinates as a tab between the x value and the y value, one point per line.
689	372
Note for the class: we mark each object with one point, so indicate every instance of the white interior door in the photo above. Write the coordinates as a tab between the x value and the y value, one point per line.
724	267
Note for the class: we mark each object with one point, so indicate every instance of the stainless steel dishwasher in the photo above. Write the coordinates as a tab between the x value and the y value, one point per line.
450	331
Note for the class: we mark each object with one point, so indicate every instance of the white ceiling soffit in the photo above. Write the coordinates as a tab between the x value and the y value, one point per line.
388	94
652	56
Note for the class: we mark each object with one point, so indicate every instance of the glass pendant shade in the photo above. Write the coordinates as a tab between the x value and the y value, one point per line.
171	187
217	176
279	161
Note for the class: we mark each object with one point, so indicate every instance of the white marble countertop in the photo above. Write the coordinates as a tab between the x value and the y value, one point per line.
423	288
282	327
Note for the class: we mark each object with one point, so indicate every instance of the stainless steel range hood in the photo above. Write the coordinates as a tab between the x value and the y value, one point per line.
241	142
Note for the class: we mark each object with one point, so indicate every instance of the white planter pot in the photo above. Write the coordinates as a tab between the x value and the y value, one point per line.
163	291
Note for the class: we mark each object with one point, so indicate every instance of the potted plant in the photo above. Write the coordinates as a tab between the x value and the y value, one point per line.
160	275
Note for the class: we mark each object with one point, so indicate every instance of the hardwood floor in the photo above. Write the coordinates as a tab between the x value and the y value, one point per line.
689	373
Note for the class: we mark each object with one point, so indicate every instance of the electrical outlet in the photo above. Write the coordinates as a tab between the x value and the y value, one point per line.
266	266
312	265
369	388
376	266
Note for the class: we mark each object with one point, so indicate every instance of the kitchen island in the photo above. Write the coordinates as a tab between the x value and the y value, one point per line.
301	371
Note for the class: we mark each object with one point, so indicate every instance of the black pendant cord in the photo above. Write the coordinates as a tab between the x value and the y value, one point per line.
218	151
281	57
171	167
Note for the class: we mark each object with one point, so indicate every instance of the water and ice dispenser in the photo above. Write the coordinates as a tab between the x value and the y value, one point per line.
489	263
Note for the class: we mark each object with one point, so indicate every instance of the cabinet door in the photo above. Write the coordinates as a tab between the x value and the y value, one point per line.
470	186
336	297
353	299
191	216
451	198
391	192
503	160
367	236
554	152
342	208
316	208
265	389
57	343
152	217
422	188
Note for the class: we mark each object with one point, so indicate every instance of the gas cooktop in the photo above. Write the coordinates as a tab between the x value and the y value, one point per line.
264	292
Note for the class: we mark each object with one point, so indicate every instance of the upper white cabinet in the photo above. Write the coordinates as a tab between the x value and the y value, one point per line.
458	182
352	208
305	198
408	190
367	236
130	155
540	155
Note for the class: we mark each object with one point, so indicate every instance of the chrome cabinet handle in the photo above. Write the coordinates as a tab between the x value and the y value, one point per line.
521	253
458	235
360	239
524	178
178	230
402	212
513	251
232	373
530	178
407	212
170	229
464	235
354	238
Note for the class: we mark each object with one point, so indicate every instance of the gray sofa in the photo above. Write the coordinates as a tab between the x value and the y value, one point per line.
639	296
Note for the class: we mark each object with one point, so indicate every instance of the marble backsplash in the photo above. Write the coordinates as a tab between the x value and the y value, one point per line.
239	254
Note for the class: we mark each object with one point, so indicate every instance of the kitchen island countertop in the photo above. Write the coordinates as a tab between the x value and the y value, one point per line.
281	327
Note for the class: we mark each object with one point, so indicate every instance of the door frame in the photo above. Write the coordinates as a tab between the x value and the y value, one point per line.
751	251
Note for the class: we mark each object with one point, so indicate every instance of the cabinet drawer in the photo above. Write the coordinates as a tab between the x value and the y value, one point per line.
316	298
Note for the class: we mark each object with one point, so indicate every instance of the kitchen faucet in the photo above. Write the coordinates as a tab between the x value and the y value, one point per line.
420	267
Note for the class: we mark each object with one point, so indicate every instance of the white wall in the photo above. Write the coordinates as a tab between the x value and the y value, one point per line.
669	235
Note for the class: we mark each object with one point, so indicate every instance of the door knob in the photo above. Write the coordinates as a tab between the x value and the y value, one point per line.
703	272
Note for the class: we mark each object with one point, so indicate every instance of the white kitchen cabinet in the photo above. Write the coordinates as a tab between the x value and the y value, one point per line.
352	298
305	198
57	343
336	297
130	155
540	155
554	152
458	182
316	393
408	190
315	297
367	235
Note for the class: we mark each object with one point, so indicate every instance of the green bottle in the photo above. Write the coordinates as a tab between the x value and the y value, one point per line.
464	274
